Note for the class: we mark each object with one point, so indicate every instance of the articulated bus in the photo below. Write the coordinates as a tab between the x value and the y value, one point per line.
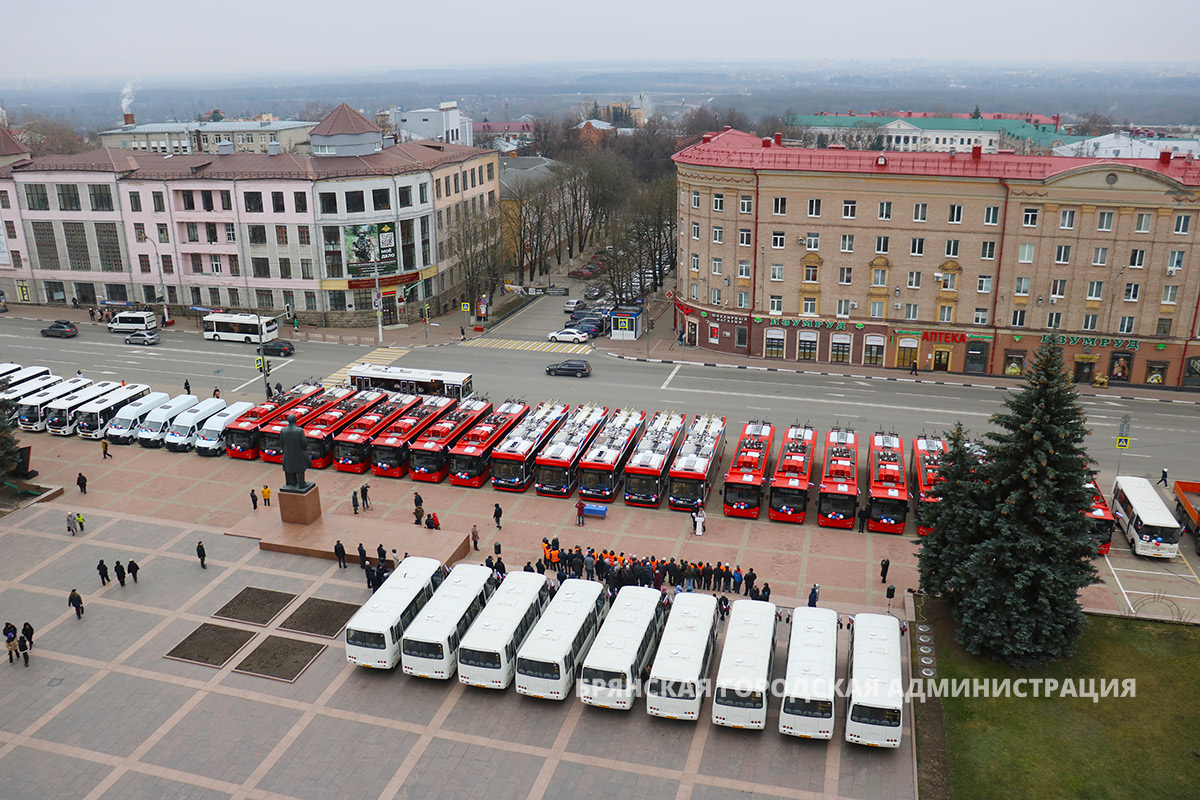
624	646
603	465
747	473
793	475
925	473
874	682
31	410
811	679
487	655
390	448
27	389
373	633
62	414
21	374
1101	518
241	436
91	421
270	435
471	457
429	455
412	381
1149	526
240	327
837	494
352	447
429	646
319	432
695	466
512	459
679	673
887	485
742	689
646	469
556	467
553	652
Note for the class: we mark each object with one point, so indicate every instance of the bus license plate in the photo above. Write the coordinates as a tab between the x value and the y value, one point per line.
538	696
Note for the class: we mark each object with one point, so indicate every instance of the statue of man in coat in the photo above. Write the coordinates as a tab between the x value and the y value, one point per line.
295	456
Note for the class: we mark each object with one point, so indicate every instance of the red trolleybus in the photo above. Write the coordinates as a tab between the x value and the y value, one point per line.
352	447
695	466
837	494
270	441
793	475
512	459
389	450
471	458
241	437
887	485
556	468
603	465
924	474
1102	519
646	470
412	381
747	473
319	432
429	456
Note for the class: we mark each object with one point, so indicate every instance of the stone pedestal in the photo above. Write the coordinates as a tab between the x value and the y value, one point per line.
299	508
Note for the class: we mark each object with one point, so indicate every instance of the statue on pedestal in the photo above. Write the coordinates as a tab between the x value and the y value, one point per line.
295	457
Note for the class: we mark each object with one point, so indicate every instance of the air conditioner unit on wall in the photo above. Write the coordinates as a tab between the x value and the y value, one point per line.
896	306
1172	270
853	304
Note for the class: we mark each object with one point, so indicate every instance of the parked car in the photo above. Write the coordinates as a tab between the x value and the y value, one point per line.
142	337
62	328
594	292
277	347
568	335
592	327
573	305
577	367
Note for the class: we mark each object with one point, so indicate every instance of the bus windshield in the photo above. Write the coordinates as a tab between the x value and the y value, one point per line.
389	457
737	493
368	639
1154	532
89	421
788	500
270	441
642	484
603	678
180	430
419	649
119	425
427	460
895	510
29	413
318	448
242	440
1101	531
538	669
687	489
58	417
595	480
508	469
873	715
478	658
349	452
467	466
551	477
738	698
801	707
844	504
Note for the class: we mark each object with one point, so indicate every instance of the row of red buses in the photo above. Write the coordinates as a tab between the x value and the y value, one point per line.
429	455
241	437
471	457
556	468
513	459
887	484
319	433
837	495
747	475
390	448
925	473
695	466
646	469
793	475
352	447
602	468
270	440
1102	519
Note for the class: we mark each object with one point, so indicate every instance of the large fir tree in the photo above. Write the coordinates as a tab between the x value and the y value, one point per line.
8	440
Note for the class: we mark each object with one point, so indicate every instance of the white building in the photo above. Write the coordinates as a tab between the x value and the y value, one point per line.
444	124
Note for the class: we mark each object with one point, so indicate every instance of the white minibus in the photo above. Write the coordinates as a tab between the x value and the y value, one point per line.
429	648
27	389
874	682
156	424
63	413
182	433
624	647
124	426
373	633
487	655
210	441
1149	525
93	419
22	374
32	410
240	327
679	674
743	684
548	661
129	321
811	678
6	369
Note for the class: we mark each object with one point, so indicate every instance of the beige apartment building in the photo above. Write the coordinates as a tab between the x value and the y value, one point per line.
958	262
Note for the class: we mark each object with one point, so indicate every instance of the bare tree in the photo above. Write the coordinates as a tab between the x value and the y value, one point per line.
316	110
476	243
54	136
1093	123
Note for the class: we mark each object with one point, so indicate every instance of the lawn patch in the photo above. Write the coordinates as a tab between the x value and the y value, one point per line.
319	617
280	658
255	606
211	645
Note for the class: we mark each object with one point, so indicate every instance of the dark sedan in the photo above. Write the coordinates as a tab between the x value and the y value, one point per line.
577	367
277	347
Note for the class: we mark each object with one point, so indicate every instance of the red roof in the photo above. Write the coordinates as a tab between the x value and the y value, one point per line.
740	150
344	120
9	144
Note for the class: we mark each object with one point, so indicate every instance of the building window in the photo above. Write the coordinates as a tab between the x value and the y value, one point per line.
168	266
695	267
741	335
1175	260
847	243
945	313
1018	318
214	263
164	233
695	230
1062	254
193	232
1089	321
743	237
1054	320
716	297
718	201
920	212
210	232
281	236
310	298
744	269
845	274
984	284
873	355
300	200
952	248
68	197
253	201
160	203
355	203
285	268
1104	221
264	298
955	214
1025	254
981	316
1030	219
1137	258
950	281
235	298
303	235
743	299
1143	223
777	272
329	203
843	308
881	244
1183	223
1170	292
775	304
144	262
917	247
914	279
1095	290
808	306
381	199
135	201
779	207
4	202
810	273
885	209
306	268
814	207
234	267
1022	287
910	311
879	276
849	209
277	204
139	232
745	204
1099	256
813	241
876	309
422	193
1126	325
991	215
987	251
1133	292
839	352
197	263
695	199
695	292
806	350
778	239
260	267
1058	287
1066	219
773	344
1164	327
258	234
716	266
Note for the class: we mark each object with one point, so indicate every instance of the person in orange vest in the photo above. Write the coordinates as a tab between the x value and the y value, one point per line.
554	558
545	550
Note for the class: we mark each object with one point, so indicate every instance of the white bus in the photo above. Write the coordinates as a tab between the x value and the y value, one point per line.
154	427
240	328
27	389
549	659
487	655
373	633
874	682
6	369
811	679
32	410
1150	527
741	692
93	419
63	413
679	674
210	441
181	435
429	648
130	321
412	381
124	426
18	376
624	647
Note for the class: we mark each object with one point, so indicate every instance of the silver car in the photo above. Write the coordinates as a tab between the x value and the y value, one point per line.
142	337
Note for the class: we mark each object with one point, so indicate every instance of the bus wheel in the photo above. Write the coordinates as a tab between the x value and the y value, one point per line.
246	340
216	338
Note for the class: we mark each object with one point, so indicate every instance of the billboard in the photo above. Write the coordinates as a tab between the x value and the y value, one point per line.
370	249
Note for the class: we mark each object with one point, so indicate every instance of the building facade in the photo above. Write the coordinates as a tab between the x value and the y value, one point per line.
179	138
955	262
924	134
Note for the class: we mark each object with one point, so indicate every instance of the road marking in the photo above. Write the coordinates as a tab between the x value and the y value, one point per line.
1170	596
274	369
522	344
674	372
1117	578
381	356
1136	455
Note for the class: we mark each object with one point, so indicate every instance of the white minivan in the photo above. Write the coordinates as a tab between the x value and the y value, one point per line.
129	321
182	433
124	426
210	441
154	427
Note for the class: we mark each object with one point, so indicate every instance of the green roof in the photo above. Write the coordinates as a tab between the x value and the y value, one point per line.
1038	134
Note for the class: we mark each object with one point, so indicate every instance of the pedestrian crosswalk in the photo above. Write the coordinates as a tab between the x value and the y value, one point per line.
518	344
380	355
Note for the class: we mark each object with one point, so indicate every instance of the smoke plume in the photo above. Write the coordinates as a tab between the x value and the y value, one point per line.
127	98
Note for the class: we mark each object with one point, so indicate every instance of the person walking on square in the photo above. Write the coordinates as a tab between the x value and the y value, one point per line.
883	569
23	646
132	568
579	506
27	632
339	550
187	387
72	523
202	554
462	333
266	496
370	573
10	644
814	594
81	482
417	501
497	513
475	538
418	515
354	501
382	553
253	501
75	601
912	370
102	568
119	571
362	491
863	516
749	578
1162	478
79	521
362	556
104	449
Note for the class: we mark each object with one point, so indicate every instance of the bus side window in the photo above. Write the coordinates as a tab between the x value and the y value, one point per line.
454	639
508	652
569	663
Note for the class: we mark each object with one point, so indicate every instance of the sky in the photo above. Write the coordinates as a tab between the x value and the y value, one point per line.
140	42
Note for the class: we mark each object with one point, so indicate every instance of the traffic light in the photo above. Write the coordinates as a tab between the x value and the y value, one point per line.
287	310
266	366
262	365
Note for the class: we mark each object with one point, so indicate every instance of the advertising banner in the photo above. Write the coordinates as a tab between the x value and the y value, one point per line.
370	250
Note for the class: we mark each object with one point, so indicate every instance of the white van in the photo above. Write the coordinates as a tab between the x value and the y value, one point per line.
210	441
129	321
124	426
157	422
182	433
